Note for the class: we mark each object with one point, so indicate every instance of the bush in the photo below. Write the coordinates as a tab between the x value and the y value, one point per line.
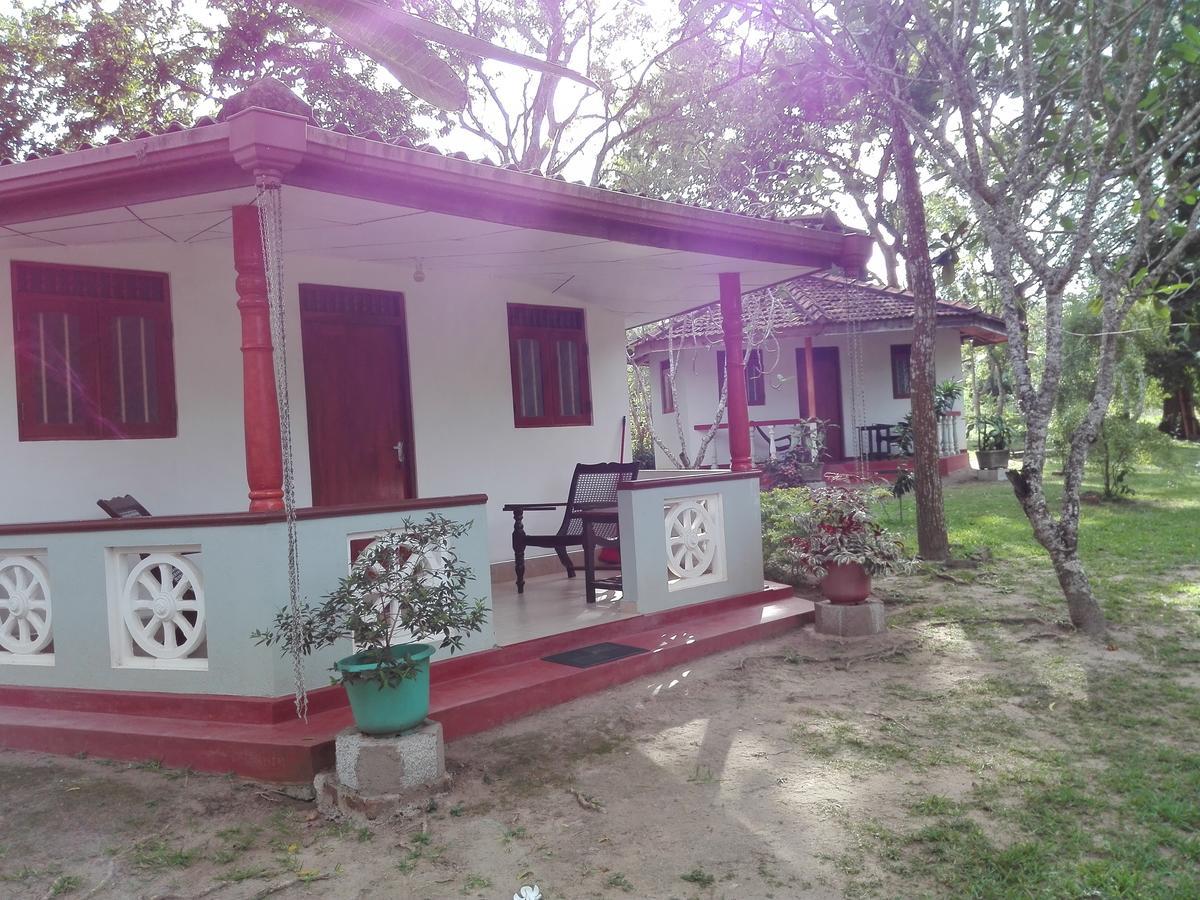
1122	445
806	529
780	510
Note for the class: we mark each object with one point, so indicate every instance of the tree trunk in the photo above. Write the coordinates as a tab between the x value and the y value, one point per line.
1061	540
1179	415
1085	612
932	541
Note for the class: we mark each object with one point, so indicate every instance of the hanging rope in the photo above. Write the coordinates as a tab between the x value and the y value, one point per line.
270	221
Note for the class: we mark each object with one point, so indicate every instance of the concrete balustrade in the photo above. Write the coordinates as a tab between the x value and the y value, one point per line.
168	603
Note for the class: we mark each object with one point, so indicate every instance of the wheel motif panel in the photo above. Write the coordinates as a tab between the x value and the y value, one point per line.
692	539
162	605
428	567
25	623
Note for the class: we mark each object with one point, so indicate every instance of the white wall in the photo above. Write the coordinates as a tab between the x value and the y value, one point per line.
462	396
696	385
201	470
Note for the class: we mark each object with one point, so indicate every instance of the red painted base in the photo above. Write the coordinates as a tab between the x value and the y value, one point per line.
887	468
260	737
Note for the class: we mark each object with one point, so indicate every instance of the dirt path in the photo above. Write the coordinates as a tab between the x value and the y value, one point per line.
758	773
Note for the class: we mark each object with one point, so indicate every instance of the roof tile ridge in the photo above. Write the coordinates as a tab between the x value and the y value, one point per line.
814	308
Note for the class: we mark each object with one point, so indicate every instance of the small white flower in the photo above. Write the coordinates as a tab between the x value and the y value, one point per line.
528	893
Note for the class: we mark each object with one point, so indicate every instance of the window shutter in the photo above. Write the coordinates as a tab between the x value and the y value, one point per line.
93	353
549	360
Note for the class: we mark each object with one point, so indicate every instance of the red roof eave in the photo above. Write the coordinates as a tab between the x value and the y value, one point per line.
212	157
175	164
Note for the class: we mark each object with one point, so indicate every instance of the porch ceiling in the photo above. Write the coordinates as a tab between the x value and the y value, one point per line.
644	283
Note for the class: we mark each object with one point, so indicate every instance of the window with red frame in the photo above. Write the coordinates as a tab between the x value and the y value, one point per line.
93	353
756	384
901	371
548	354
664	381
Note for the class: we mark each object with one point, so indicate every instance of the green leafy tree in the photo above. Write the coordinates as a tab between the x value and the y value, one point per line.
1055	126
84	70
813	118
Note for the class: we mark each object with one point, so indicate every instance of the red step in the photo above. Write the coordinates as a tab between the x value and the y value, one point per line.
260	738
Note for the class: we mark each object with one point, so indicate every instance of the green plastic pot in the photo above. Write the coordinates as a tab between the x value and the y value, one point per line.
390	708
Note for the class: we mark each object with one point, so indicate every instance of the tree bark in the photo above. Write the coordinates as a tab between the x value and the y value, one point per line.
932	541
1179	415
1061	541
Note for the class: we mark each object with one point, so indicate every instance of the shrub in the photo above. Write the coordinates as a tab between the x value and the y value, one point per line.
781	508
1122	444
807	529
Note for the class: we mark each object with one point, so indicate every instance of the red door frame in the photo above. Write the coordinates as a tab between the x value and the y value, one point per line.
802	391
320	303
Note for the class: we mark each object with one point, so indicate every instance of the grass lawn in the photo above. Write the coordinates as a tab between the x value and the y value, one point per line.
1134	550
1095	788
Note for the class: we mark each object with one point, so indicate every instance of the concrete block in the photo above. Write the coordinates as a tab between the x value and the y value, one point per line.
850	619
391	764
379	778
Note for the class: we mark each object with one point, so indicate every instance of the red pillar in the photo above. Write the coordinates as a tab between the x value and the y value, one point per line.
810	387
735	371
264	461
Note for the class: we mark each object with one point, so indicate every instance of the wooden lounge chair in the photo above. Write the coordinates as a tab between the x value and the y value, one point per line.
592	485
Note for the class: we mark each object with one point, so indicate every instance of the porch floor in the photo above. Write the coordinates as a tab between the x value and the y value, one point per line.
551	604
261	738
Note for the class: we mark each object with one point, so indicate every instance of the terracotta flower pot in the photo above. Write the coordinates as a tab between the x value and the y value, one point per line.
846	583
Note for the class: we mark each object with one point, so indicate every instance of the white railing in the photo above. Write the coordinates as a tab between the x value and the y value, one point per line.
168	603
948	434
695	528
157	614
689	538
26	624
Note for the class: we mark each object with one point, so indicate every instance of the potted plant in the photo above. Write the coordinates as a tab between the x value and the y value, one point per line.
404	598
838	540
993	436
803	460
945	396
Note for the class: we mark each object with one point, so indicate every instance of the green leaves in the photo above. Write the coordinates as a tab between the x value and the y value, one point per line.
407	585
85	70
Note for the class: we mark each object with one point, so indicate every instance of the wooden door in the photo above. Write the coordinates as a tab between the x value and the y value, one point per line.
356	379
827	381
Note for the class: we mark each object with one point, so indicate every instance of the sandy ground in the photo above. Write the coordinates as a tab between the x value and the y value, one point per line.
737	777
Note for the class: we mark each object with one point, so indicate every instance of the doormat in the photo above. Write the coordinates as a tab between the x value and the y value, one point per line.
594	654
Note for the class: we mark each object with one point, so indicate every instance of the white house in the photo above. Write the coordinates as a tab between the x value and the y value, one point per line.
821	346
455	341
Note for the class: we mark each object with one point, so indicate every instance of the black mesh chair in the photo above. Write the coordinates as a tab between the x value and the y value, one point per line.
593	485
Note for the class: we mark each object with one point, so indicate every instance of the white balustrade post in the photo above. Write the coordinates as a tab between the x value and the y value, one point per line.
771	443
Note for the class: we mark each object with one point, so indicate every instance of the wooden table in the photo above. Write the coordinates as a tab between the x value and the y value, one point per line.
592	517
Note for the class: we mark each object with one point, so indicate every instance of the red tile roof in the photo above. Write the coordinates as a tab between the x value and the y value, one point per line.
813	302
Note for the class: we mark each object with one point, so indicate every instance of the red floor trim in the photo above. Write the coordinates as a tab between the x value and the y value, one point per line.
261	738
